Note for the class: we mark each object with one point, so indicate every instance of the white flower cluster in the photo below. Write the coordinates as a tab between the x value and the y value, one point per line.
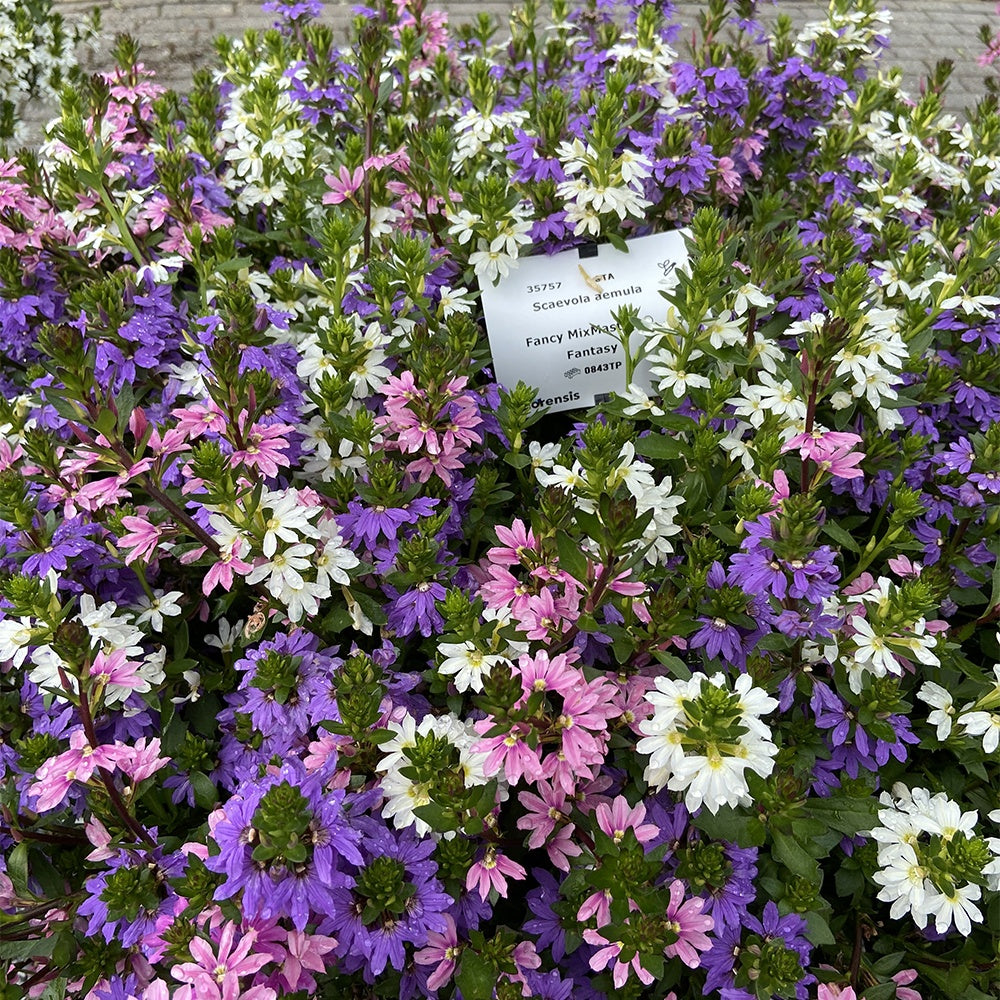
931	861
403	794
879	649
116	656
592	192
298	548
702	738
36	55
637	477
976	718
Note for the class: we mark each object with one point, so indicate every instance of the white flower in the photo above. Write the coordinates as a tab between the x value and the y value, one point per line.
103	623
944	707
301	597
750	295
282	570
985	724
334	558
871	649
674	376
955	907
902	879
466	664
709	767
640	402
16	635
491	265
288	520
542	455
228	636
48	665
403	795
153	610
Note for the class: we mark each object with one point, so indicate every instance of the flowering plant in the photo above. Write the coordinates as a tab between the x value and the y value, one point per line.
331	667
37	58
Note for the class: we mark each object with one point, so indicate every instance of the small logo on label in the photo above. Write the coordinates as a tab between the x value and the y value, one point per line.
572	373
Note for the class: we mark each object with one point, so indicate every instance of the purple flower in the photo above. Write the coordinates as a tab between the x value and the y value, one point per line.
132	899
718	637
370	523
415	609
545	923
283	843
396	900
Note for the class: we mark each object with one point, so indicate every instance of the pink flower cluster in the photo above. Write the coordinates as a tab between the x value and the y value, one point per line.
438	425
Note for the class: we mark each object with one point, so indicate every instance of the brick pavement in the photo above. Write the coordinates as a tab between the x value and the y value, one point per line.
176	35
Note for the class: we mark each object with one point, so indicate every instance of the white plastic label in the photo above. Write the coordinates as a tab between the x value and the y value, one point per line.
550	321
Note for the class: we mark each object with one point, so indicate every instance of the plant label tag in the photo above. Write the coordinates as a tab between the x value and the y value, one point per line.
550	322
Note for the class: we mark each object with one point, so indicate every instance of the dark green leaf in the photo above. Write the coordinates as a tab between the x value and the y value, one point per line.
475	977
818	930
659	446
204	791
841	536
571	557
793	854
17	868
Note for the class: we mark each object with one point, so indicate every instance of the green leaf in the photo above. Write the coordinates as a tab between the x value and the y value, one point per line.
848	815
728	824
884	991
659	446
236	264
204	791
818	930
125	404
475	977
841	536
571	557
16	951
17	868
792	853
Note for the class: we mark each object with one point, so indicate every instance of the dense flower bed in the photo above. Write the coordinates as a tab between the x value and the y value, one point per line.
330	667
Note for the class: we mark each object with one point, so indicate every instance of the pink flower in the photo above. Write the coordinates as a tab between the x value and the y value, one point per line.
540	673
197	418
343	185
597	905
97	834
441	948
690	924
263	447
222	571
603	957
830	991
540	616
515	543
831	451
615	819
117	669
510	752
305	951
216	976
55	777
142	538
441	465
904	977
489	873
142	760
903	567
